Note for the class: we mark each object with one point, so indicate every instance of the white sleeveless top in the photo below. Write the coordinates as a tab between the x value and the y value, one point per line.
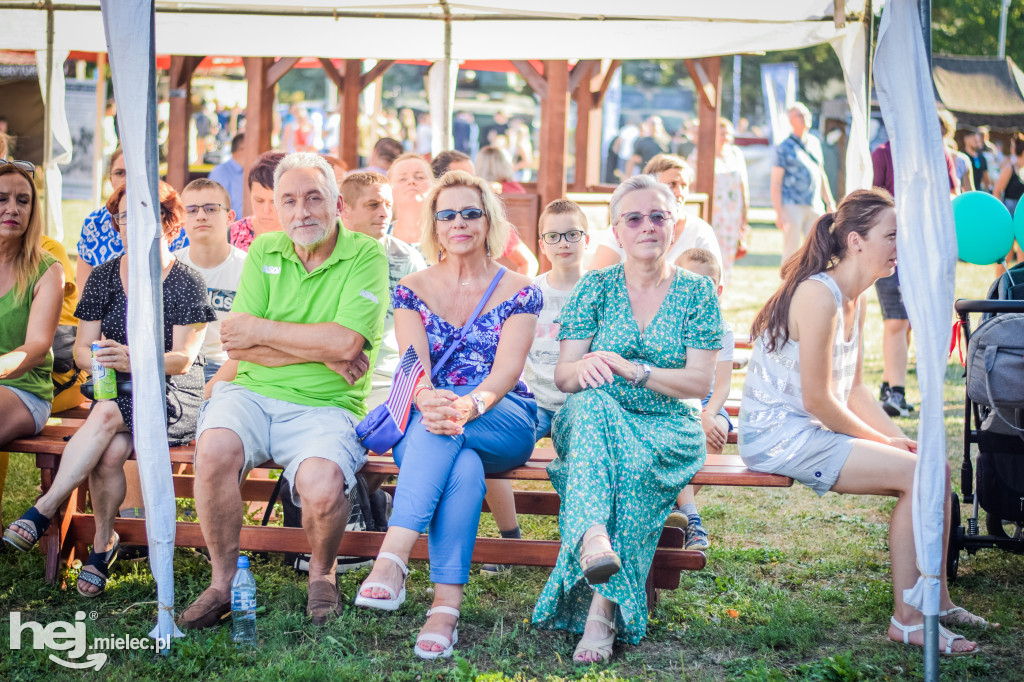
773	424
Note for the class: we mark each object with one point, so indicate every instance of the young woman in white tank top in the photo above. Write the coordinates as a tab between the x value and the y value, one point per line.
806	412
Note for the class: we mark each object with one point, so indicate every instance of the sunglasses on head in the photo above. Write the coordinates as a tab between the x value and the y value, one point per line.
26	166
635	219
570	236
467	213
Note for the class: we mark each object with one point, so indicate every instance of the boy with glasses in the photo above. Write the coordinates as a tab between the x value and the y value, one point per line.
207	217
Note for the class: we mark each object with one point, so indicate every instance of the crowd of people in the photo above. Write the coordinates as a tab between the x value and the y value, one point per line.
283	328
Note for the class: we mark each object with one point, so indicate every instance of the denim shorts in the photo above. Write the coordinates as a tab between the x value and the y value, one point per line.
890	298
36	406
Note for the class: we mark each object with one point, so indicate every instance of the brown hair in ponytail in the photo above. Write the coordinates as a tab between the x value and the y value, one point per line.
825	247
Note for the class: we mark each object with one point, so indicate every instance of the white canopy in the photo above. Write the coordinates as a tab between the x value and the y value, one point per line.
481	29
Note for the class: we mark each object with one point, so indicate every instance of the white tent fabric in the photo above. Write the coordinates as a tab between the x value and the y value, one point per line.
132	64
926	244
61	133
530	29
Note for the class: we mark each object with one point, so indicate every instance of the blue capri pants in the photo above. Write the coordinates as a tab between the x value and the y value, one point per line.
441	478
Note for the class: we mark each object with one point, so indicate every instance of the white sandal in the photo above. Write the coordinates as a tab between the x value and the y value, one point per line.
943	632
392	603
447	645
601	647
972	619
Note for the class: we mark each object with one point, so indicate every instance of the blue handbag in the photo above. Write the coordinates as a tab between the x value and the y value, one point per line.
384	426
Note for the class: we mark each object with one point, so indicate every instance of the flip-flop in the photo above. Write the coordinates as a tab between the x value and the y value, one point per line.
33	523
952	617
101	561
204	612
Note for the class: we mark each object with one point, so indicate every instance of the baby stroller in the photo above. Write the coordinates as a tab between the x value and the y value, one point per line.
994	421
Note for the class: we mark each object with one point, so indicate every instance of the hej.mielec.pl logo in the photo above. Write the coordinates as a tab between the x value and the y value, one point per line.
72	639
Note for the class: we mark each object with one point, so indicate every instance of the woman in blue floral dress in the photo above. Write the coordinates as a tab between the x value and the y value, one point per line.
637	338
477	418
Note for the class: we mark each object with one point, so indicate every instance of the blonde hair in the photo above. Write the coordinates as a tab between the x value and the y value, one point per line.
562	207
493	164
26	262
498	227
660	163
406	157
696	256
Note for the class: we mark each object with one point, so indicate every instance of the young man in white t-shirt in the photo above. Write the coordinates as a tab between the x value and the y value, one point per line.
713	417
207	217
563	239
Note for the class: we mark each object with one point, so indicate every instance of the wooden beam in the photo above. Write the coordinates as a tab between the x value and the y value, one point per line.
839	13
581	71
179	118
533	77
553	125
348	144
332	73
709	69
606	82
587	142
259	116
378	70
279	69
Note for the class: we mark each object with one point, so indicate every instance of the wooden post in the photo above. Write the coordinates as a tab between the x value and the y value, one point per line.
707	78
182	68
553	138
589	83
259	116
348	144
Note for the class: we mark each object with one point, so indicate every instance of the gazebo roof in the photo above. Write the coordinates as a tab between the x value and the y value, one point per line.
981	90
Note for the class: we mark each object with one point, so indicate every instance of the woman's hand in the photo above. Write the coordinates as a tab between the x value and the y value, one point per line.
616	363
113	355
713	431
903	443
444	412
593	371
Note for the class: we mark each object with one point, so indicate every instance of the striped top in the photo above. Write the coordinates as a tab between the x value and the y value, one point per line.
773	424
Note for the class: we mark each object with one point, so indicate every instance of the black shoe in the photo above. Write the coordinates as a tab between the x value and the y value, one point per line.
896	405
883	393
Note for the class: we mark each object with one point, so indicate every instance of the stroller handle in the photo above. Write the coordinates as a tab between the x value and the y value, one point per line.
964	306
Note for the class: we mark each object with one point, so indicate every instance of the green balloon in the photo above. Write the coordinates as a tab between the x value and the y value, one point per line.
984	228
1018	223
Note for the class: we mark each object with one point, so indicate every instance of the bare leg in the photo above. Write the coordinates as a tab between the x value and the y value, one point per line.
876	469
596	630
502	502
320	484
17	421
219	459
894	351
133	486
106	488
442	623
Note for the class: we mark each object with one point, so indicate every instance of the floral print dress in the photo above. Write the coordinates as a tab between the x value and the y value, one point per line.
624	453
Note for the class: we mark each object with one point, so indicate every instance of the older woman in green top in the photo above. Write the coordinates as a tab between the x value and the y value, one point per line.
31	285
637	338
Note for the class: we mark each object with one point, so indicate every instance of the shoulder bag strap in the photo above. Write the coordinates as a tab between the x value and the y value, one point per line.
461	335
800	143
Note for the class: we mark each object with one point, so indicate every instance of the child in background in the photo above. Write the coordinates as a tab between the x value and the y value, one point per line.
713	416
563	239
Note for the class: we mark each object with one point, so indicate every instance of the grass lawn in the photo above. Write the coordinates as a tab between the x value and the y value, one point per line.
796	587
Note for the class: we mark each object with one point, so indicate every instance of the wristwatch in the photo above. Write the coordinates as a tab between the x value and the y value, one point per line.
478	403
642	375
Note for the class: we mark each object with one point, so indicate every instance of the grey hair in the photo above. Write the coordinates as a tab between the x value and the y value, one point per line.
637	183
800	107
307	160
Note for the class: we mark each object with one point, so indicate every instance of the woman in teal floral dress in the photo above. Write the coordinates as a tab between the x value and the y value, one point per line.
637	338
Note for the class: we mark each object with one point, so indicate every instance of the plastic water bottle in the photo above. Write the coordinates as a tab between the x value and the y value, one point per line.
243	605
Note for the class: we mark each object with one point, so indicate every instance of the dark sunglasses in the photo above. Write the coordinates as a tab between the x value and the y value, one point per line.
467	213
634	219
26	166
571	236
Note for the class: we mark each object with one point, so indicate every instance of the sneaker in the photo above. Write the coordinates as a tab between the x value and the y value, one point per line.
896	405
345	563
495	570
883	393
676	519
696	536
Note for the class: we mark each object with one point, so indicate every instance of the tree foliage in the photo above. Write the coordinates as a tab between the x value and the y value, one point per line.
971	27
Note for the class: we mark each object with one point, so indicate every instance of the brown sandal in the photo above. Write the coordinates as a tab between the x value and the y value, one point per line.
205	612
323	601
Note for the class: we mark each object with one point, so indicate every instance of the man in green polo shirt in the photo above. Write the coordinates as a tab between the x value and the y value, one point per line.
304	328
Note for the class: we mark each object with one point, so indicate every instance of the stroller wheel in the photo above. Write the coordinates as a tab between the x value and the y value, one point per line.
955	539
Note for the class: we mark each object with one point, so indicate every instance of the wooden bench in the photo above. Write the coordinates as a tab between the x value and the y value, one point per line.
72	530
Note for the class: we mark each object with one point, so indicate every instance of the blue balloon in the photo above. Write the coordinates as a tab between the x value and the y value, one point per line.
984	228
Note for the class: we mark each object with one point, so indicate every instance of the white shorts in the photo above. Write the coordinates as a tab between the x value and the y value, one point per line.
36	406
287	433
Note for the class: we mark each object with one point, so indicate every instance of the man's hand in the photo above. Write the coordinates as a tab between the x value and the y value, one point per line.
351	371
241	331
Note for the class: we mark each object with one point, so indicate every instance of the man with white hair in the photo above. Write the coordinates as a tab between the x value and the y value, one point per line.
799	187
304	328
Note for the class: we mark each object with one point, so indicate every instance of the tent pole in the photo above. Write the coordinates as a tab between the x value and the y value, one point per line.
97	147
931	622
47	124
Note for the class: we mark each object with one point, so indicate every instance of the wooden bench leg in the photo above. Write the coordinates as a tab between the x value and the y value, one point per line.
664	578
